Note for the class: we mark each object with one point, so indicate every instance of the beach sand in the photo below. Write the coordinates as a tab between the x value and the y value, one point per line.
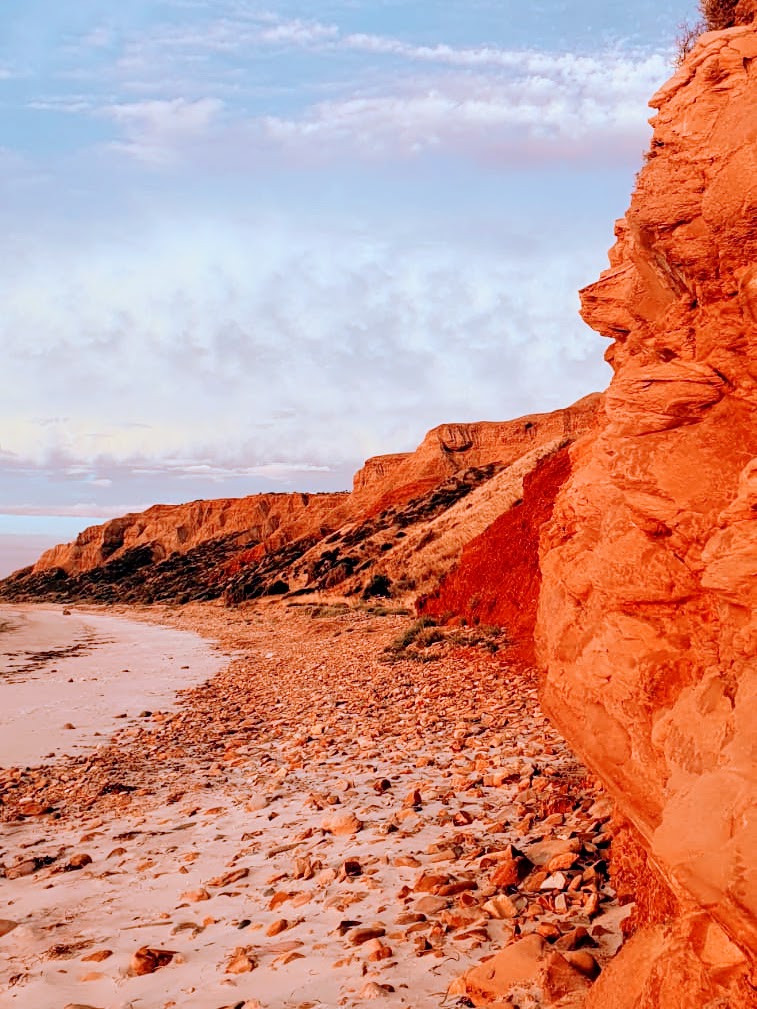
67	677
320	824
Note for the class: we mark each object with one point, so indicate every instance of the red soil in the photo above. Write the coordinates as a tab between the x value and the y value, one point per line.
498	578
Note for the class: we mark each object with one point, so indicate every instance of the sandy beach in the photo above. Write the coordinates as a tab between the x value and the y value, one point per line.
67	678
323	822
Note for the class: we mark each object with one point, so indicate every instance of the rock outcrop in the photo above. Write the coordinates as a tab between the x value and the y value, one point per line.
167	529
453	448
648	607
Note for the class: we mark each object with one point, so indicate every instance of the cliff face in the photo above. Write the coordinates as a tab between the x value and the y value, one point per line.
405	523
481	589
169	528
453	448
648	608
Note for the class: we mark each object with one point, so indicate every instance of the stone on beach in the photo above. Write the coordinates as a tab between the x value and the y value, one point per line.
241	961
410	887
147	960
528	963
341	823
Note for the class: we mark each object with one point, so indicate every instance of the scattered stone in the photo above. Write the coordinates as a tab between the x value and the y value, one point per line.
148	959
529	963
77	862
341	823
349	869
374	990
241	961
24	868
229	877
557	881
500	907
577	938
584	962
98	956
242	735
195	896
360	935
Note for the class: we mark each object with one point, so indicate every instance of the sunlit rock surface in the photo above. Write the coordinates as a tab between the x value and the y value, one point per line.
647	616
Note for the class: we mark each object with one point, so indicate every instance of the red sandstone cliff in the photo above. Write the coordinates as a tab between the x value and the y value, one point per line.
648	607
170	528
388	480
498	578
414	543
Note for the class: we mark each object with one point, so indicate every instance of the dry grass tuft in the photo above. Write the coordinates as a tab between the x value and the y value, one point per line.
716	15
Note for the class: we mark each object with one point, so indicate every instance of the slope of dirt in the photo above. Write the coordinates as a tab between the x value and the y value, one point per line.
498	578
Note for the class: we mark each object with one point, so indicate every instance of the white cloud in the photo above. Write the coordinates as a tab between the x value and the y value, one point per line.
403	97
156	131
84	509
597	116
269	349
298	33
519	121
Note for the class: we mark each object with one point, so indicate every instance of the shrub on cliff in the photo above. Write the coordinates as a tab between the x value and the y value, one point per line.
716	15
379	585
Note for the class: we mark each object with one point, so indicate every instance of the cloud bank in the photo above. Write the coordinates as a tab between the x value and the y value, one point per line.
248	248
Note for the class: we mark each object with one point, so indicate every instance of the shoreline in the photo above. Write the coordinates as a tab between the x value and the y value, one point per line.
70	677
320	823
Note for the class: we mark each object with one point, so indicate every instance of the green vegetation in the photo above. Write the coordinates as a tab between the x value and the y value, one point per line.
415	640
330	610
408	636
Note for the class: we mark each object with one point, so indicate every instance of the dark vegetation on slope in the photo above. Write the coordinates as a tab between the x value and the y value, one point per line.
228	566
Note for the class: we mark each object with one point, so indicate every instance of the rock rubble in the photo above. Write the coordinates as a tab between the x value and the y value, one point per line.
314	823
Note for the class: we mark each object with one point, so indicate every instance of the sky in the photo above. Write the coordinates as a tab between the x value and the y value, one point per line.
246	246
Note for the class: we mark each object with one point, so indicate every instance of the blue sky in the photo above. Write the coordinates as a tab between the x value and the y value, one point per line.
248	246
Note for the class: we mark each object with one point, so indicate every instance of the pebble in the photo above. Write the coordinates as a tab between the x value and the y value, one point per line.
341	823
78	862
241	961
147	960
360	935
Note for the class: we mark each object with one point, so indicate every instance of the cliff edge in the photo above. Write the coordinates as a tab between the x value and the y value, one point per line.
647	622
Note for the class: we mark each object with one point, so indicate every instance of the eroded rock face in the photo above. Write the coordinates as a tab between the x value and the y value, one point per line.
168	528
386	481
648	608
402	527
497	580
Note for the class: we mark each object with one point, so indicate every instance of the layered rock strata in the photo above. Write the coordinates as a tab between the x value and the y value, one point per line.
648	607
179	528
448	449
403	526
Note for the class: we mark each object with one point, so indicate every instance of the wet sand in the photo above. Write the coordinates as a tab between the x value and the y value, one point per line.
68	679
